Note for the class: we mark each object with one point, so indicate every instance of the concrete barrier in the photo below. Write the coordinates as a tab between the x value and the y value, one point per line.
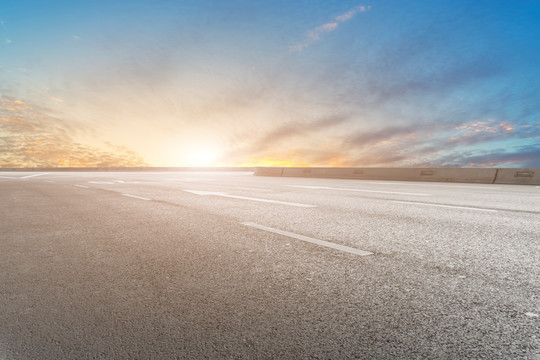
471	175
268	171
458	175
518	176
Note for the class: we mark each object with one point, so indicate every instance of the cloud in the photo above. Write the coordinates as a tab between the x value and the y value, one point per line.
55	99
285	136
315	34
8	41
31	138
520	157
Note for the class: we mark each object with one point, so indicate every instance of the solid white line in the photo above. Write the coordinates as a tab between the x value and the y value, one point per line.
359	190
8	177
309	239
446	206
81	186
136	197
29	176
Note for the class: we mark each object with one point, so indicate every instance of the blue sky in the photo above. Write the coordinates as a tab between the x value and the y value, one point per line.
319	83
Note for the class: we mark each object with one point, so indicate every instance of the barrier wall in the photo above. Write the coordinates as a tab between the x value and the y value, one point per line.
518	176
459	175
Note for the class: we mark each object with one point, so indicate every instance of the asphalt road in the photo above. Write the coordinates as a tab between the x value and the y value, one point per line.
228	265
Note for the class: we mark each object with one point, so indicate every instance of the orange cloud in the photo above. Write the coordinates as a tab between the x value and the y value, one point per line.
486	126
33	139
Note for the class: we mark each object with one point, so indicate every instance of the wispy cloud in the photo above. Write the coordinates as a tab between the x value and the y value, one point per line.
55	99
314	35
264	146
31	138
520	157
487	126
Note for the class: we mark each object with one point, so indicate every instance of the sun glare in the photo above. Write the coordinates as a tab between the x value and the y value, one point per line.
203	156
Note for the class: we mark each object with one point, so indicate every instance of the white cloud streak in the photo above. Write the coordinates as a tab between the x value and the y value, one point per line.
315	34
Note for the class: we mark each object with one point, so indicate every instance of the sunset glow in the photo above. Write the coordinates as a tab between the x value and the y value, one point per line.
341	83
203	156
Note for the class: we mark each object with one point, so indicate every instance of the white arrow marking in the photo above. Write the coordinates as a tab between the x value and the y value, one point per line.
222	194
309	239
358	190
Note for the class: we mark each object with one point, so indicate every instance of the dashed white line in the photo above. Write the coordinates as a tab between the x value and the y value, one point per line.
359	190
136	197
439	205
309	239
82	186
191	180
222	194
252	188
29	176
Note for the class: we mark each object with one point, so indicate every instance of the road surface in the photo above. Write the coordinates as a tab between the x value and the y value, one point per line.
229	265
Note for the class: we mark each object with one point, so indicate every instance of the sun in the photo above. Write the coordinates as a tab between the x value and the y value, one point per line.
203	155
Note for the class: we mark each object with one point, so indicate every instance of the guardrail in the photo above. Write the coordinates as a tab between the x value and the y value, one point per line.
524	176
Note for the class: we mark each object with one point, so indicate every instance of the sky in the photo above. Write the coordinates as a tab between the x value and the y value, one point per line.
343	83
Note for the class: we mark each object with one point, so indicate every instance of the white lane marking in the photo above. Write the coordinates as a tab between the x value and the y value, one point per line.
192	179
446	206
252	188
136	197
432	185
359	190
222	194
125	182
310	239
49	181
101	182
29	176
82	186
8	177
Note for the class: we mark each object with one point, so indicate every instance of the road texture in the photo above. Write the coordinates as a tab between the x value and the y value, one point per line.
227	265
